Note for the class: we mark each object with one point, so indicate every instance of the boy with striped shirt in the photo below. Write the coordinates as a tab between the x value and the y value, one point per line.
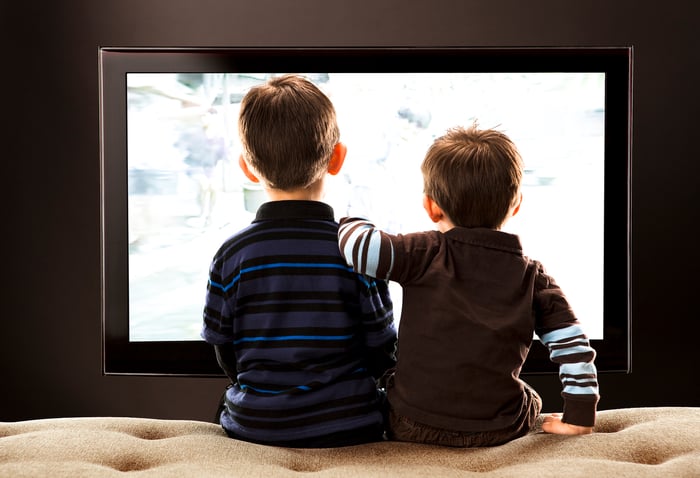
300	334
471	302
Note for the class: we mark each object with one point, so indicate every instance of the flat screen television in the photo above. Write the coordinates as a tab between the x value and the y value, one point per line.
171	189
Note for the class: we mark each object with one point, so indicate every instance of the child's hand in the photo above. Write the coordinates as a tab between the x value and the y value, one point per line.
553	424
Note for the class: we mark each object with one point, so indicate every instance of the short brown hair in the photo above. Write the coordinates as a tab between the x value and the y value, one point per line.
288	129
473	175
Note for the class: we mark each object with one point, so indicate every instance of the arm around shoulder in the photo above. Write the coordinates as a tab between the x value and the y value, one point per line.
365	248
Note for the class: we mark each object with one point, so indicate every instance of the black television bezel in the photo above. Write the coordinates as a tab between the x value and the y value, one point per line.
196	358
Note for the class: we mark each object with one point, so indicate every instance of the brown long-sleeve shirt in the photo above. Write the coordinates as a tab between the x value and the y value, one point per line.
471	304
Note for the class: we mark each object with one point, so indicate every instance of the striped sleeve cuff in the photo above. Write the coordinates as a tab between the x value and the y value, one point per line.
579	412
570	348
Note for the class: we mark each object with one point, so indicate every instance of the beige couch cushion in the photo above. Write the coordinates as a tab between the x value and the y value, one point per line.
635	442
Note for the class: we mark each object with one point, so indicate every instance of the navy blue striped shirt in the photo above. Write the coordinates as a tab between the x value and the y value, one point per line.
309	335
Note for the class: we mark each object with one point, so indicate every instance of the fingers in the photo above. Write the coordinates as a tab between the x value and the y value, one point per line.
553	424
550	424
552	417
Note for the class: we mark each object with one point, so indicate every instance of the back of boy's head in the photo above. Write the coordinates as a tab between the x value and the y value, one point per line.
473	175
288	130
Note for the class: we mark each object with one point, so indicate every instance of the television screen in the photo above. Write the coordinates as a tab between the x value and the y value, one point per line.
172	190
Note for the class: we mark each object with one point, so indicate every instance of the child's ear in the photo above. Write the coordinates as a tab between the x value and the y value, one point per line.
246	171
516	208
337	159
434	211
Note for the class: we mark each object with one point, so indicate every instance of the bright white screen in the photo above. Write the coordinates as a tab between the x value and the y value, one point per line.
187	194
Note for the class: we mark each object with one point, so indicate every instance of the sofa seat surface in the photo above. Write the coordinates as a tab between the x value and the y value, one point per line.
632	442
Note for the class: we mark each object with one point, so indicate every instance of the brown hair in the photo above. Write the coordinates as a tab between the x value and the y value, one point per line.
473	175
288	129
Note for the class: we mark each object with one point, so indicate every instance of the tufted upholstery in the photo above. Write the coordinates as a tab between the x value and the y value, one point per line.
634	442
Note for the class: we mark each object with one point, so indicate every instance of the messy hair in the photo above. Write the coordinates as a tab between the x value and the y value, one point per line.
288	129
473	175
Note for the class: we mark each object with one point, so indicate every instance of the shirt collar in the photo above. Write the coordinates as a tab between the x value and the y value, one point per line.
294	209
486	238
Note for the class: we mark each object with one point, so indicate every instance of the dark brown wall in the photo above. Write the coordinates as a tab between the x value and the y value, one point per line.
50	322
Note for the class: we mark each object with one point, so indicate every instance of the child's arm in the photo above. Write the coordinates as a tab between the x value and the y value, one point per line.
568	345
226	357
402	258
379	328
366	249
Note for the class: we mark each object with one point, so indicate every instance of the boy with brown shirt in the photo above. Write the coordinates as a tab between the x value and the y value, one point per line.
471	304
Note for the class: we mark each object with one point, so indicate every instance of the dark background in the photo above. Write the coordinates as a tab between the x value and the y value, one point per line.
50	362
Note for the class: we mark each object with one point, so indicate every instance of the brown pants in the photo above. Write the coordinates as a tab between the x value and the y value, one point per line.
401	428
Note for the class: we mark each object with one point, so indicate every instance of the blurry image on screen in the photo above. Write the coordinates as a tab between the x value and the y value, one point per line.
187	194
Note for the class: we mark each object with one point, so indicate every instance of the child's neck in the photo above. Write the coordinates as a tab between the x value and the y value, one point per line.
314	192
444	224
